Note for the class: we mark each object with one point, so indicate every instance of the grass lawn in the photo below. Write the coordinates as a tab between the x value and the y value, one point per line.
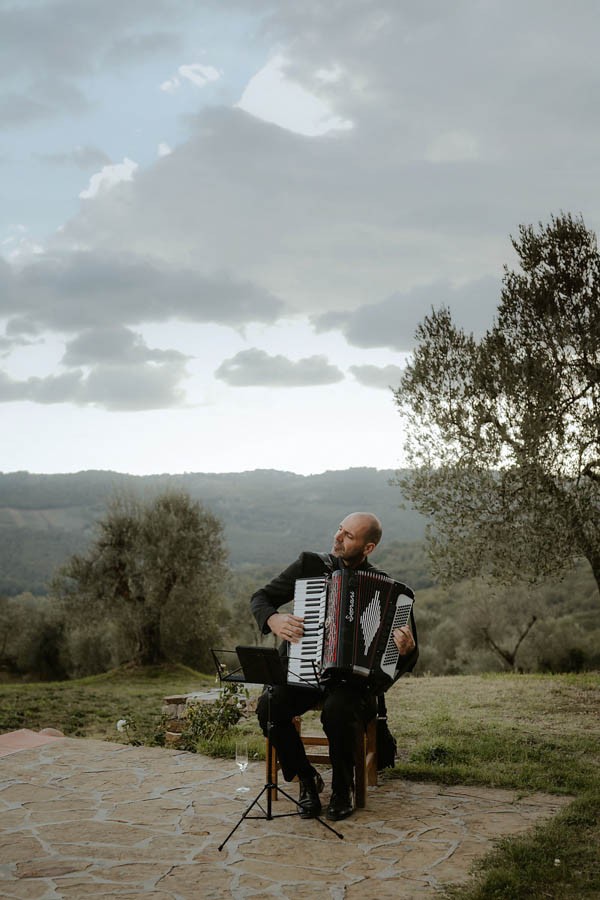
526	732
91	707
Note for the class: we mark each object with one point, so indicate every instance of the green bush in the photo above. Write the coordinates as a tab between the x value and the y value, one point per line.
209	722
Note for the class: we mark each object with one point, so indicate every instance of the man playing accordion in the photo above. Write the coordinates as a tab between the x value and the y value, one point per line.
347	703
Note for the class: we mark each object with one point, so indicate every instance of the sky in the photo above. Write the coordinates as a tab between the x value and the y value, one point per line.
222	221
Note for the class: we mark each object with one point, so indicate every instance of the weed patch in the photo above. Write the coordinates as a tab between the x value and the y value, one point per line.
557	860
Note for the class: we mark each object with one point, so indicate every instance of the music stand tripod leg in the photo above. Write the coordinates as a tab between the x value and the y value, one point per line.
243	816
268	787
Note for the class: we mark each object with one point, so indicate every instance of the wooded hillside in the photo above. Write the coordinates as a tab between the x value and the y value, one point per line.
268	515
268	518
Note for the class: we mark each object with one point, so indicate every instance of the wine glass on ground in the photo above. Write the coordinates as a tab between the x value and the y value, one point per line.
241	758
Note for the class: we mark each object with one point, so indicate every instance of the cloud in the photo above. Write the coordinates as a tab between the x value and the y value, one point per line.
108	177
271	96
440	67
253	368
112	368
364	228
17	245
36	57
112	387
18	326
8	343
83	157
84	290
453	146
392	322
19	109
163	149
131	48
326	223
196	73
113	344
286	210
377	376
44	98
52	389
135	387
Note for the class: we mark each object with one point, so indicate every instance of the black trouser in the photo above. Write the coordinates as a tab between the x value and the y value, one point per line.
345	715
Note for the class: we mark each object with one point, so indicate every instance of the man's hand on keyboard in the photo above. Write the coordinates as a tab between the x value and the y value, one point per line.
286	626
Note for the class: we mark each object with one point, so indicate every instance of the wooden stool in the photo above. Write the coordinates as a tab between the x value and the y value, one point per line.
365	758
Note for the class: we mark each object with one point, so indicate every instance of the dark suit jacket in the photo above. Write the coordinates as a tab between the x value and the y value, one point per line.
268	599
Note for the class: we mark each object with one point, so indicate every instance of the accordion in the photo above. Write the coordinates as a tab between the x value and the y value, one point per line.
349	619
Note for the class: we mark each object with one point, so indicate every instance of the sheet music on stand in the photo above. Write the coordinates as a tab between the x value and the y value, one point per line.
252	665
227	665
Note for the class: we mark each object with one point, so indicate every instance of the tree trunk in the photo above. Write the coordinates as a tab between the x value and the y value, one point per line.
509	656
594	561
588	548
149	649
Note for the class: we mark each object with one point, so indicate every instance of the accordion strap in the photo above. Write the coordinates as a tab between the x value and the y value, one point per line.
381	707
328	560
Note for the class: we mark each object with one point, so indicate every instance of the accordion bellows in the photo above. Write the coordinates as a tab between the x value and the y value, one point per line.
349	619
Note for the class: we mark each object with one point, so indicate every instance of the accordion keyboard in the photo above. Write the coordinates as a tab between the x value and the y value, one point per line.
310	596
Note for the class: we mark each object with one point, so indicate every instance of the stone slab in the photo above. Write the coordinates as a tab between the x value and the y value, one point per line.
24	738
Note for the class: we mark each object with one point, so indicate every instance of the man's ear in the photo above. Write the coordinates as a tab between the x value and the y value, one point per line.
369	548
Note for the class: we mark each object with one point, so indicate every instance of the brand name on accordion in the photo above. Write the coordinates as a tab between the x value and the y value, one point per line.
350	613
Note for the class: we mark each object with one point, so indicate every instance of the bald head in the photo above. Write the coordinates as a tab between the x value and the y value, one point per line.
371	524
356	537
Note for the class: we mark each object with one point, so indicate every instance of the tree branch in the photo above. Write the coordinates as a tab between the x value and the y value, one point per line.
532	622
589	472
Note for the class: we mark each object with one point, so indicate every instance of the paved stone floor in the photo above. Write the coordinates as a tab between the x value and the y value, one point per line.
82	818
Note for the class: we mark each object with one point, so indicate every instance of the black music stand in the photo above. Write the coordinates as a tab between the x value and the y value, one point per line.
258	665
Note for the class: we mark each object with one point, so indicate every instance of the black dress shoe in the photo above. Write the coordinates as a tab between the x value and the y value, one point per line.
309	803
340	806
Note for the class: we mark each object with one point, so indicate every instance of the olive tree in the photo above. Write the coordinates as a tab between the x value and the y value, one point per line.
153	578
503	433
31	636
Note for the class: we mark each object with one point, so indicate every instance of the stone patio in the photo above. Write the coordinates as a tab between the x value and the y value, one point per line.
83	818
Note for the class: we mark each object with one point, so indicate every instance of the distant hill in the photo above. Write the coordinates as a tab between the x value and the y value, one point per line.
268	515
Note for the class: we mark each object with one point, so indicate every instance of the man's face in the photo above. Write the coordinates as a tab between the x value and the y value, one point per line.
350	543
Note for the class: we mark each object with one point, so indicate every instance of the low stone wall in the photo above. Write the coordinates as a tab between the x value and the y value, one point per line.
175	709
175	712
